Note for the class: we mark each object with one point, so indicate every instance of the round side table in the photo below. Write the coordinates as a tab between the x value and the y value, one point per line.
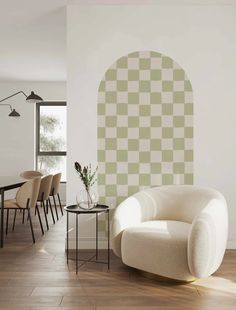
76	210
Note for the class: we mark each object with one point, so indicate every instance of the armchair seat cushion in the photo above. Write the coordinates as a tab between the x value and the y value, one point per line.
158	247
11	204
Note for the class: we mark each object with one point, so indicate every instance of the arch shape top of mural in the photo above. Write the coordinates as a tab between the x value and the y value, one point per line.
145	126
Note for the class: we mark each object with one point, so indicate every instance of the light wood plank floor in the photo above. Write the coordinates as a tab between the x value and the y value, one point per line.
37	277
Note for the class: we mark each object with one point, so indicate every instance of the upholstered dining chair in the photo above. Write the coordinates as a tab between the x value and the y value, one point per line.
43	196
26	198
30	174
55	192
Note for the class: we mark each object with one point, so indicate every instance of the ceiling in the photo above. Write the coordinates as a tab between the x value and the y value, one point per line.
33	36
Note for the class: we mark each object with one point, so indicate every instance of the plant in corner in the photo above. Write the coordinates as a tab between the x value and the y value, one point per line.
86	199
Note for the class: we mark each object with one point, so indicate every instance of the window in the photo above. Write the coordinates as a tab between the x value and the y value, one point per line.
51	138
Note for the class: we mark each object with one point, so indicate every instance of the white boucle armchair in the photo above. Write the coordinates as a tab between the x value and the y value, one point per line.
179	232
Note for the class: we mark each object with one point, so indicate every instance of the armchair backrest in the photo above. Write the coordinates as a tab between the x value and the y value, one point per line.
45	187
28	190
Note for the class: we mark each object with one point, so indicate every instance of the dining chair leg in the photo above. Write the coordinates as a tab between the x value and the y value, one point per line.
7	221
31	225
49	205
40	222
45	214
23	217
55	205
59	199
14	220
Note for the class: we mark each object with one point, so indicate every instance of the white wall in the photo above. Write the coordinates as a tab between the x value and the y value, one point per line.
17	135
200	38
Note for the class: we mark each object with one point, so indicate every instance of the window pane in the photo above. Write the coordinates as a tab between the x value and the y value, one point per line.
52	131
52	165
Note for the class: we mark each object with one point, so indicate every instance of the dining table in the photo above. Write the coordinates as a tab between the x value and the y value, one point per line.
7	183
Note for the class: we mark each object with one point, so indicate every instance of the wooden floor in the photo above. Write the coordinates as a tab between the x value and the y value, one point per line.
37	277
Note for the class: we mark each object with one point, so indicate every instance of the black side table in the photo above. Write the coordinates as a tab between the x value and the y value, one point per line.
77	211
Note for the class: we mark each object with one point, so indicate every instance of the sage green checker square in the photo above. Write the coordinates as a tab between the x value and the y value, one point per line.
144	133
178	121
122	179
101	109
167	62
167	86
188	155
122	109
144	157
134	55
178	97
111	144
111	75
167	109
122	155
167	132
167	155
133	168
132	189
133	75
167	179
155	145
188	109
122	132
111	97
178	143
122	85
188	178
111	168
178	75
155	168
110	190
187	85
155	54
101	156
144	86
122	62
101	179
178	168
133	121
101	132
102	86
144	110
144	63
133	144
133	98
188	132
155	121
155	98
155	75
111	121
144	179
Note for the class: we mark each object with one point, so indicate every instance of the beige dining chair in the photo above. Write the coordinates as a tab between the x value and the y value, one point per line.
30	174
55	192
43	196
26	199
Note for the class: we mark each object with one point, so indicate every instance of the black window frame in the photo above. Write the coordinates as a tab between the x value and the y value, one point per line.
46	153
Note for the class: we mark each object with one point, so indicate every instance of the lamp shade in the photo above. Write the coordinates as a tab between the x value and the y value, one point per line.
14	113
33	98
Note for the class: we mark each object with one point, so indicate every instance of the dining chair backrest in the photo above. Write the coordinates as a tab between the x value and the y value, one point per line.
45	187
28	191
30	174
55	184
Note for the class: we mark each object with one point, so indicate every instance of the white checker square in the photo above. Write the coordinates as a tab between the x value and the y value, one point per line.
144	75
122	190
144	121
167	144
144	168
111	179
156	62
167	97
133	156
156	156
101	144
133	109
156	179
156	109
101	121
133	63
110	85
122	97
156	132
188	121
133	133
144	98
101	168
144	54
167	74
122	144
111	109
101	190
111	156
176	65
167	167
111	133
188	97
188	144
144	145
122	167
178	109
156	86
178	179
167	121
122	121
178	86
133	86
178	155
133	179
178	132
101	97
122	74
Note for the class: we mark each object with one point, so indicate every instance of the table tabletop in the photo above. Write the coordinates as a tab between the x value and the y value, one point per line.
77	209
7	181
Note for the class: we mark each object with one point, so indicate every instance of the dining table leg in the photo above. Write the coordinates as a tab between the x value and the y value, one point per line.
2	218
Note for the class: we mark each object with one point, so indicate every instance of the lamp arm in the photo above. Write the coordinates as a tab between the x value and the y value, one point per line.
19	92
5	104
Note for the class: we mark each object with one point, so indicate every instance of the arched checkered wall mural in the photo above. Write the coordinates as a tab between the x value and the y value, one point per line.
145	126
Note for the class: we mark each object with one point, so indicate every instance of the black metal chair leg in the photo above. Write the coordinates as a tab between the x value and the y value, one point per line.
7	221
40	222
45	214
55	205
59	199
14	220
31	225
23	217
47	203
